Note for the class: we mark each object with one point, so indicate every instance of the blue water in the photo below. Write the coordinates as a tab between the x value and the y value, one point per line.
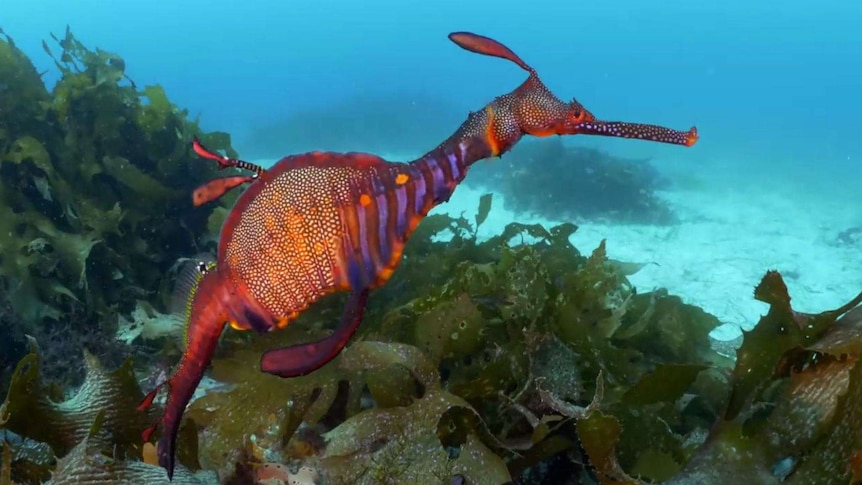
768	83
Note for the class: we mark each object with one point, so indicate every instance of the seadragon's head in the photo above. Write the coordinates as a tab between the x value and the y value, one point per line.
534	110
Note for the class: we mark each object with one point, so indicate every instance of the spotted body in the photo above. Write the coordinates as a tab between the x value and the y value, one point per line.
322	222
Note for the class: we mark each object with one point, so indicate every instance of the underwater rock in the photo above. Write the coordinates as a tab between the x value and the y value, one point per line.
576	184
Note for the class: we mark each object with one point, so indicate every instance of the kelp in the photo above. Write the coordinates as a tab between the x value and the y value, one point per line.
437	438
275	423
90	169
96	433
793	413
85	465
257	420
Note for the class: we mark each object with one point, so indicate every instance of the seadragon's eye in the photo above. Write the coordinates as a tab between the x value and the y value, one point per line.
578	114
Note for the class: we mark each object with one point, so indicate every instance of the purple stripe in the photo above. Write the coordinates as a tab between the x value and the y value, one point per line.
419	203
382	236
401	194
363	236
453	162
437	177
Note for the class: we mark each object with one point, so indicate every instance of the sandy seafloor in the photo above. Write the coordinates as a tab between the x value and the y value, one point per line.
724	244
730	233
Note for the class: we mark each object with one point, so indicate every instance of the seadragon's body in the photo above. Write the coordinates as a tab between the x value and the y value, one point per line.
322	222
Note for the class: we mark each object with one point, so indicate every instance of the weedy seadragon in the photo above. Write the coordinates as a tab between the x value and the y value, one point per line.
321	222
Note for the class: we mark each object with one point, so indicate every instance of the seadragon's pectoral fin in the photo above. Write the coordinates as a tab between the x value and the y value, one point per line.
301	359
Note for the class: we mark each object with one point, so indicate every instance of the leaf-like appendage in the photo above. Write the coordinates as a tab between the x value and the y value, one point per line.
401	445
86	466
62	425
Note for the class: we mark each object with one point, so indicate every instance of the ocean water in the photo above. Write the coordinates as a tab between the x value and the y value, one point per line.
774	88
771	86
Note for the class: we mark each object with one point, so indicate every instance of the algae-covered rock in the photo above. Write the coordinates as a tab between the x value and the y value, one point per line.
576	183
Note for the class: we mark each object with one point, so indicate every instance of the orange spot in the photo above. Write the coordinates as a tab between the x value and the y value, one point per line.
284	321
414	221
319	248
401	179
365	200
489	132
385	274
236	326
692	137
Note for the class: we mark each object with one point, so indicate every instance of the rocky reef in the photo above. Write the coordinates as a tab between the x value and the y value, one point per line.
558	182
516	359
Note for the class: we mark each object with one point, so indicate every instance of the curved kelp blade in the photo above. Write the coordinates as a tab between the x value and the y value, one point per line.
301	359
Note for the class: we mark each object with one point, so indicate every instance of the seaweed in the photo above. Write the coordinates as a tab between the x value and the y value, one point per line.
84	465
96	432
435	438
90	168
32	410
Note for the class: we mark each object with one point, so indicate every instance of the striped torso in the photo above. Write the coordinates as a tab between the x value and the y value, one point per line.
320	222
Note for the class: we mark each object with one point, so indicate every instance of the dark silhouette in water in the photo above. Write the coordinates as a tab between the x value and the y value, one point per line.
322	222
576	184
